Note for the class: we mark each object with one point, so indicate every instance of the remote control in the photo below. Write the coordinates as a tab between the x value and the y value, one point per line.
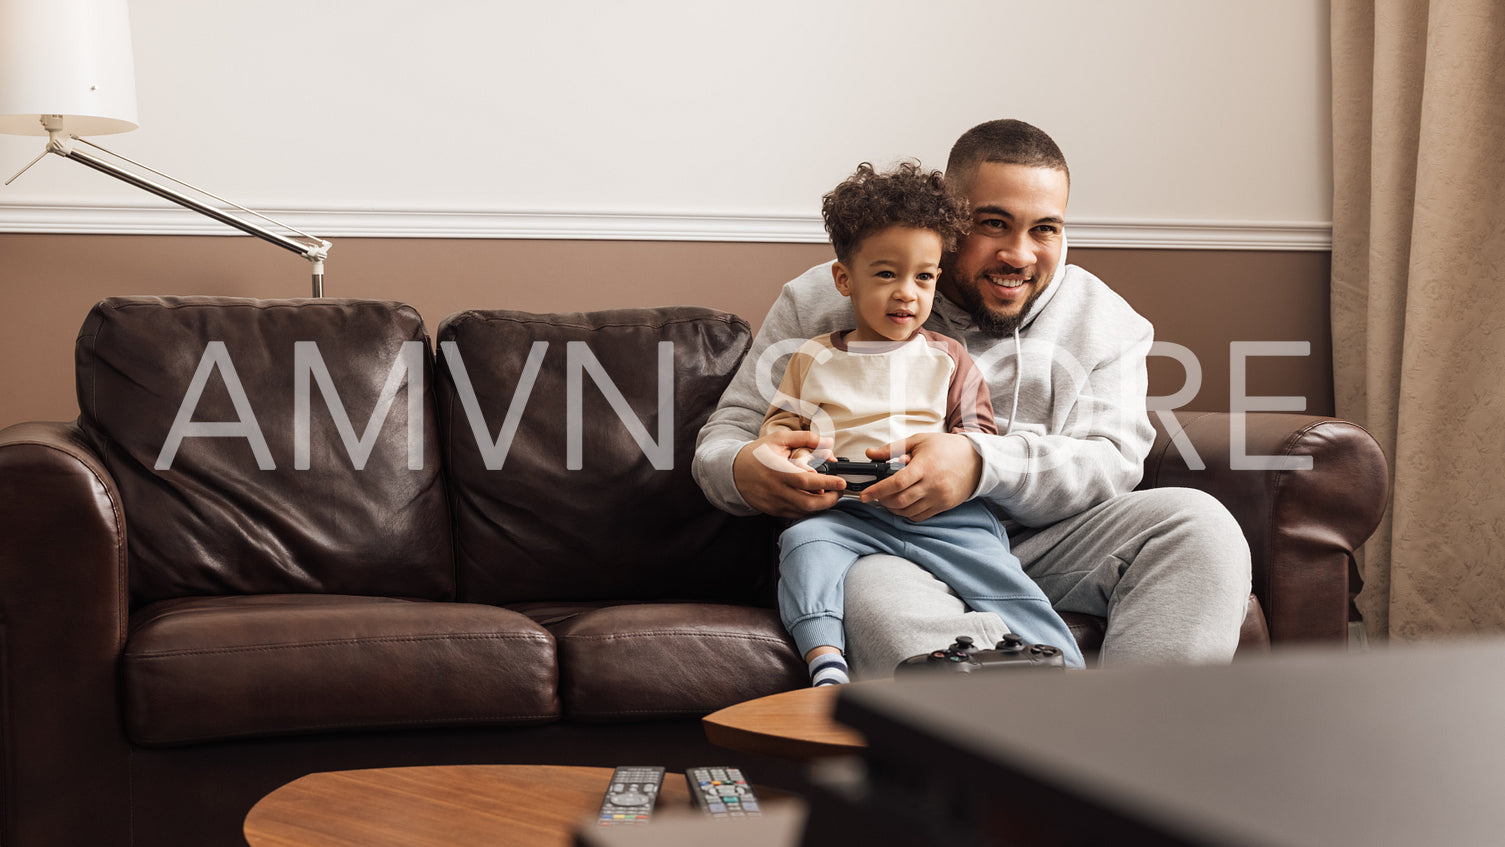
859	475
722	792
630	797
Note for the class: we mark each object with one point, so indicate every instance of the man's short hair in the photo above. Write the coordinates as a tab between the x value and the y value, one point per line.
1007	142
868	202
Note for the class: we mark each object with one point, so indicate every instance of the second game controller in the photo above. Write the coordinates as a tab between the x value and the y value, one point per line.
963	657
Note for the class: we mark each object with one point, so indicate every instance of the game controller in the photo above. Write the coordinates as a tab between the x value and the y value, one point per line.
963	657
859	475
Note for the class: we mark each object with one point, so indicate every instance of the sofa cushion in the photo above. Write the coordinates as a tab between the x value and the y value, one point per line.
640	661
203	669
233	512
568	445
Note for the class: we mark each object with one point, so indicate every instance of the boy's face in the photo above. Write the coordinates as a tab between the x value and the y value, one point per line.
891	281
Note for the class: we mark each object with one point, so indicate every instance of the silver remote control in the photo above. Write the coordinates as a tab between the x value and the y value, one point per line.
631	795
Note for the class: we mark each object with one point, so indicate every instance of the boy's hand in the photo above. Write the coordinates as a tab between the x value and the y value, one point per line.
942	473
772	481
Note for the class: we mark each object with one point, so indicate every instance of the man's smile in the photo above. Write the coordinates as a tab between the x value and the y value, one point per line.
1008	281
1008	284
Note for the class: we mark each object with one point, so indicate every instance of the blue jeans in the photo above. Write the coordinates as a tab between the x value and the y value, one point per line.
966	548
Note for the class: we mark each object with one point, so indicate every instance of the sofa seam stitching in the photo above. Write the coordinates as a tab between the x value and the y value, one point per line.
333	642
662	632
157	739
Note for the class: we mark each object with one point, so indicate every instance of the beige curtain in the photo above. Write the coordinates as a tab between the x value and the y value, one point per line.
1418	299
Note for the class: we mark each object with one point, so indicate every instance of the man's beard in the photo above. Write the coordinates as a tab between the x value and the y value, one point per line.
991	323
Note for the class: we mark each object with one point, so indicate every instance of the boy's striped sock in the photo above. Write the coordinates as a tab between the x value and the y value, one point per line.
829	669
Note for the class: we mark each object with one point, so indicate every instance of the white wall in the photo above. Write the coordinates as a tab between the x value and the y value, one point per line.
1209	113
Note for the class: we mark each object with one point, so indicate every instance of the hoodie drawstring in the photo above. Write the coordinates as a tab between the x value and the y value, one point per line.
1018	378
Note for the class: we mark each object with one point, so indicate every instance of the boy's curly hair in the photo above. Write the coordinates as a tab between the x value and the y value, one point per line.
868	201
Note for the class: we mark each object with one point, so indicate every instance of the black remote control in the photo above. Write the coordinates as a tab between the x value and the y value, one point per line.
722	792
859	475
631	795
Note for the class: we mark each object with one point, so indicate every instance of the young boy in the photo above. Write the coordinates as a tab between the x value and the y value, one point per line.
876	384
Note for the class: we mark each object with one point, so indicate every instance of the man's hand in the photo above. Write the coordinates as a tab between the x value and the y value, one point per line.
775	483
942	473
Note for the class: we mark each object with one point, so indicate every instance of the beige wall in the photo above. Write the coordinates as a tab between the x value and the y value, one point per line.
1202	299
1167	109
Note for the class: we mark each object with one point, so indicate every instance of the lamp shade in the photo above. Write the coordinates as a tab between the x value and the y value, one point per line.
70	58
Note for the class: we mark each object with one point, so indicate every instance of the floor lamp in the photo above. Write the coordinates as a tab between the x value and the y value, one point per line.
66	70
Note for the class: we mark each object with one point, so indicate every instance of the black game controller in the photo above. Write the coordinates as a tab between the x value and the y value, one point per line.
859	475
963	657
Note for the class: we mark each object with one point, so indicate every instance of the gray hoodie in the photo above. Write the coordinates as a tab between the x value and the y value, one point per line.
1074	427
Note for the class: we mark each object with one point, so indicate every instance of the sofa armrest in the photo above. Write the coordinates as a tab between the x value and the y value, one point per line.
1303	523
63	620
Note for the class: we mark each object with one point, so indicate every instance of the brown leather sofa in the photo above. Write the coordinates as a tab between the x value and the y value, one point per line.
359	552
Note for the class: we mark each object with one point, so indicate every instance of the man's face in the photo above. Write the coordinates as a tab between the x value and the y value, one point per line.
1007	261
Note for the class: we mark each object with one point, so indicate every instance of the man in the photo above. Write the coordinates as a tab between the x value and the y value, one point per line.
1064	357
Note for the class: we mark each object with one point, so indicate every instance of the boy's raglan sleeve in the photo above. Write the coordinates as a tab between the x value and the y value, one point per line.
969	404
803	310
786	412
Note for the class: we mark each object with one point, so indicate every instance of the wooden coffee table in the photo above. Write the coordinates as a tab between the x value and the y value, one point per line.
444	806
794	725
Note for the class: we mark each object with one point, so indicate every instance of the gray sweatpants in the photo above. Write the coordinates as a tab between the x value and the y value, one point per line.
1168	568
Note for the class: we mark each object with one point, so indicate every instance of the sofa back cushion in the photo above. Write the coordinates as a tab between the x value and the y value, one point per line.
568	443
247	440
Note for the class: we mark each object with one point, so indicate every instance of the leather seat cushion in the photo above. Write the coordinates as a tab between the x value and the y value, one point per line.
234	515
653	660
204	669
592	498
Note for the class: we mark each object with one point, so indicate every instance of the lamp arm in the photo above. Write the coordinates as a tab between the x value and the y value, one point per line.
315	252
184	200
